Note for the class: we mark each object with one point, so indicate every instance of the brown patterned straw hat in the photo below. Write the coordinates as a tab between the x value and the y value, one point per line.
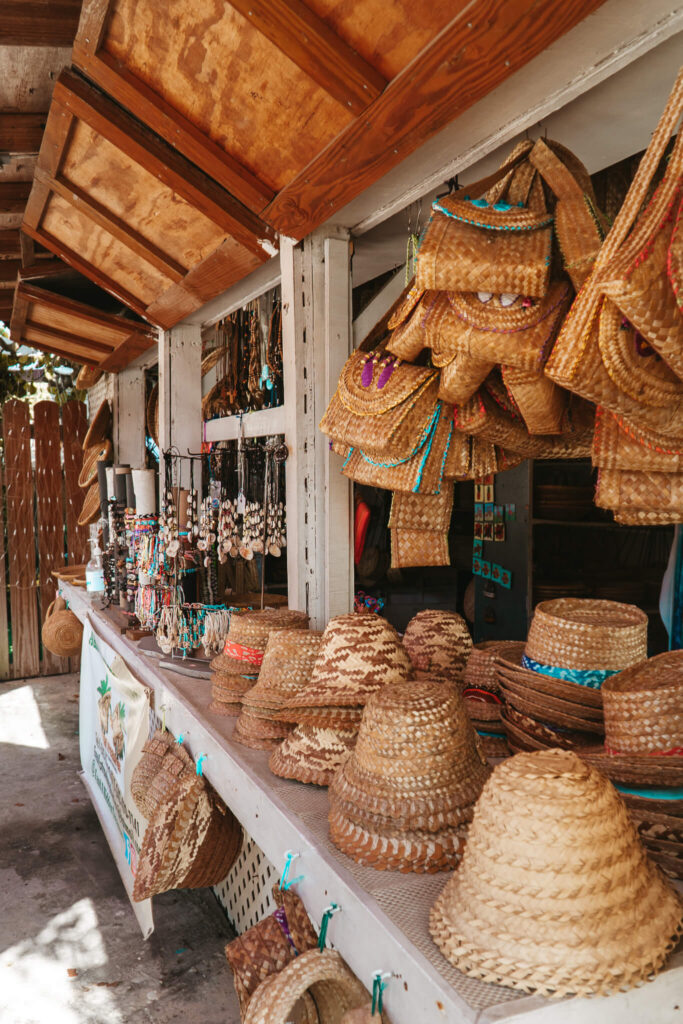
248	635
313	753
401	799
555	893
251	730
643	708
585	640
286	668
439	643
269	945
480	670
359	653
319	978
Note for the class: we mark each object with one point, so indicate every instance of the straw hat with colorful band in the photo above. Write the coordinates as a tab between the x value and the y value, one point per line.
584	677
578	633
312	754
555	893
510	669
241	653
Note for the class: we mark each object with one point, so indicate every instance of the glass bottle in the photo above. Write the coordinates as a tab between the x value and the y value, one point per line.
94	570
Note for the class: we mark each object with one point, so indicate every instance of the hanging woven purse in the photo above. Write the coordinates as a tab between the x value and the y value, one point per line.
541	403
62	631
617	444
407	324
381	404
419	525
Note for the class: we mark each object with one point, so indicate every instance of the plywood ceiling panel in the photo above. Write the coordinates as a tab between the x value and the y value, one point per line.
102	250
229	80
137	197
387	35
72	324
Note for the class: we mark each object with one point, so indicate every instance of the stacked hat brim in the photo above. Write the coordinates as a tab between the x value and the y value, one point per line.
552	689
643	750
555	894
438	643
401	800
313	754
483	701
236	670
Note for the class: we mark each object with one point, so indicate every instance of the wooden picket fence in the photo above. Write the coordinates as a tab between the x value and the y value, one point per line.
41	502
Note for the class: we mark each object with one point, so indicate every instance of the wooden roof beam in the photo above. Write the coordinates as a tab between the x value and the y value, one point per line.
68	339
91	359
10	244
485	43
14	196
21	133
314	47
89	314
114	225
176	172
9	271
43	23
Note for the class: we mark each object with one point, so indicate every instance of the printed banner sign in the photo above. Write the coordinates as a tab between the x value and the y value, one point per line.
113	728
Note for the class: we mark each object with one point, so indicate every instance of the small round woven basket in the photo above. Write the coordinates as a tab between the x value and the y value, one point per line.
322	975
555	893
438	642
62	632
583	634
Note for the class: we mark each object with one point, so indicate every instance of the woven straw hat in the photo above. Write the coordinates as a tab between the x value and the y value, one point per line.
90	511
248	638
555	893
99	427
88	377
91	456
413	777
480	670
589	636
312	754
358	654
643	708
439	643
322	976
286	668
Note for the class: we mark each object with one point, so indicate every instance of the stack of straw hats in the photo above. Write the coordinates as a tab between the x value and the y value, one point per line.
552	689
481	693
358	654
402	799
643	752
286	669
236	670
438	644
555	894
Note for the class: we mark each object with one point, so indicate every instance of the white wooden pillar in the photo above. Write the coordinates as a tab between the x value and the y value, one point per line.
129	416
180	393
316	338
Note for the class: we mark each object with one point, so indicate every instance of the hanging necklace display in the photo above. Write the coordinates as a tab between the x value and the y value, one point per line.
275	515
168	520
192	525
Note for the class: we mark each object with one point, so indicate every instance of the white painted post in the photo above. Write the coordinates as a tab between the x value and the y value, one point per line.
129	417
180	393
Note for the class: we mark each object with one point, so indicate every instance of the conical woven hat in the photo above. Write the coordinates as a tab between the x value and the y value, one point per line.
286	668
312	754
416	764
555	892
438	642
359	653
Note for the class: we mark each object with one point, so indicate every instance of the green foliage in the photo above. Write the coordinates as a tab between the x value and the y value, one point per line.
40	383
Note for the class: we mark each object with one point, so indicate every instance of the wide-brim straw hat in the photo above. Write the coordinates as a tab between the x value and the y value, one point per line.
511	669
416	850
100	426
286	668
321	977
555	893
524	732
91	456
359	653
643	708
90	510
312	754
416	764
588	639
438	642
553	711
480	670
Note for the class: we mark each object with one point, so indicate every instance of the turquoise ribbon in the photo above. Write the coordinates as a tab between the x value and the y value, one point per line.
590	677
651	794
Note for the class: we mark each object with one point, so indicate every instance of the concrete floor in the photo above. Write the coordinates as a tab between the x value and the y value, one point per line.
71	951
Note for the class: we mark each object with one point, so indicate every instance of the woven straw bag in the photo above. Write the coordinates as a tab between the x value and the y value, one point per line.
322	976
461	377
632	276
637	490
62	632
418	547
269	945
555	893
541	403
422	511
633	365
409	336
472	246
617	444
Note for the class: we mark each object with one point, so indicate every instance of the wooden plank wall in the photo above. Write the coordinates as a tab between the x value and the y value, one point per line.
21	540
49	515
42	527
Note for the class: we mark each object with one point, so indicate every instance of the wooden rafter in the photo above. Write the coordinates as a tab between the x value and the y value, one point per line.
43	23
66	339
313	46
89	314
13	196
80	99
9	269
21	133
484	44
117	227
9	243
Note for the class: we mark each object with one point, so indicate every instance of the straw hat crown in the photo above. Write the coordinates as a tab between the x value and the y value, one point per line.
577	633
643	706
286	667
416	763
555	892
359	653
438	642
